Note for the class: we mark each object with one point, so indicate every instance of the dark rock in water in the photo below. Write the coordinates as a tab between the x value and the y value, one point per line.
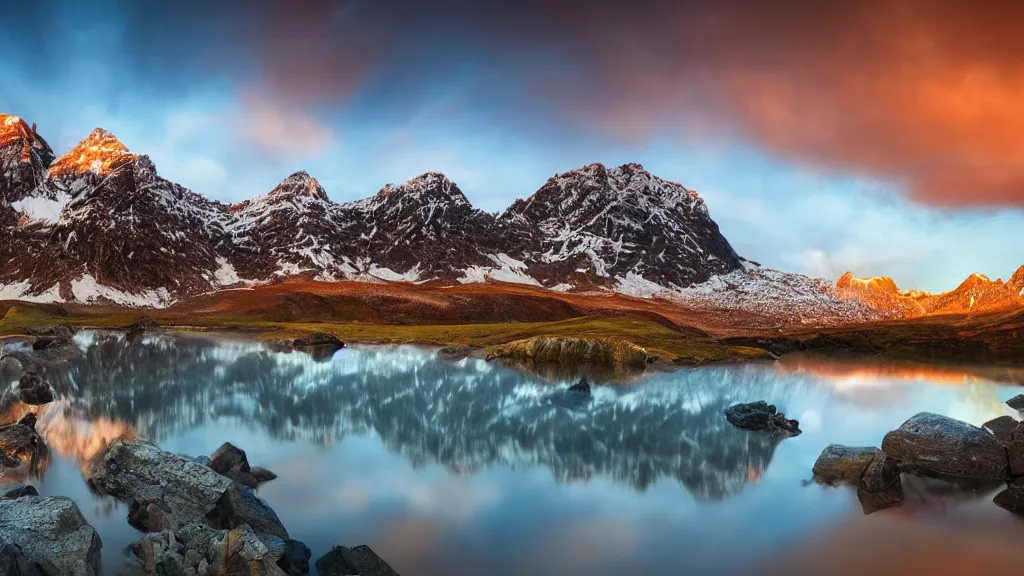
880	486
44	342
1017	402
141	325
295	560
240	505
262	474
14	563
230	460
150	517
318	339
135	470
455	353
33	390
52	532
842	463
138	329
761	416
941	447
19	443
1001	427
50	336
361	560
1012	498
581	387
1015	450
10	368
19	491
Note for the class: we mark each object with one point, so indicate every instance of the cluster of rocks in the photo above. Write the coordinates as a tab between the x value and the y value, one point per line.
22	447
936	447
200	517
762	417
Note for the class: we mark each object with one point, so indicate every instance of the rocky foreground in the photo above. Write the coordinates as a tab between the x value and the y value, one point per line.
937	447
199	516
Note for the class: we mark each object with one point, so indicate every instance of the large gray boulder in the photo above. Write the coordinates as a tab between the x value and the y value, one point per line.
839	463
187	491
942	447
52	532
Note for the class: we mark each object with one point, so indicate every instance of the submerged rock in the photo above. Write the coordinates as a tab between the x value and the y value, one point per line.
880	486
361	560
941	447
839	463
51	531
761	416
33	390
137	471
1001	427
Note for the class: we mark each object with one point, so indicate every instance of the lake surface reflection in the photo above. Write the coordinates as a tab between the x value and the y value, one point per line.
470	468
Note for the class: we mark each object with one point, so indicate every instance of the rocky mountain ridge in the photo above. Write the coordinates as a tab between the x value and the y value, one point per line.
977	293
98	224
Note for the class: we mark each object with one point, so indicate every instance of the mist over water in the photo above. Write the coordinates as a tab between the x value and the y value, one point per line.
470	467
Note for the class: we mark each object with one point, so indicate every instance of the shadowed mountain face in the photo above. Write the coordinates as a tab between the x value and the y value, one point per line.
466	416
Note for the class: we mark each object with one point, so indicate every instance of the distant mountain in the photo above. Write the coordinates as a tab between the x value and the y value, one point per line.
622	228
977	293
294	230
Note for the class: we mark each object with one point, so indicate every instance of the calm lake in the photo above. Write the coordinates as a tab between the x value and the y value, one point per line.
469	467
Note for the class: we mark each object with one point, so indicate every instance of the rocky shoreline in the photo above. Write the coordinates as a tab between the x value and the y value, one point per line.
932	446
199	516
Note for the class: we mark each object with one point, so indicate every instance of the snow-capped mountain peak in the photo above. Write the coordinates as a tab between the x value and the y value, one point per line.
24	158
297	185
100	153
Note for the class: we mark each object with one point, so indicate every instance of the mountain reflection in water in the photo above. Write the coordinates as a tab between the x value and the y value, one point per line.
471	467
466	416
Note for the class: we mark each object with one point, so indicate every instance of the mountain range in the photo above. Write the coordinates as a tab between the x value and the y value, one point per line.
100	225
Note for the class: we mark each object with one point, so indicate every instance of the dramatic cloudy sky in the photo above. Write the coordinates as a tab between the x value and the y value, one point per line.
882	136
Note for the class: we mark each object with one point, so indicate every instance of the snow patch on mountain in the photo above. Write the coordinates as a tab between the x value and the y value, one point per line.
22	291
775	294
411	275
42	208
87	290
